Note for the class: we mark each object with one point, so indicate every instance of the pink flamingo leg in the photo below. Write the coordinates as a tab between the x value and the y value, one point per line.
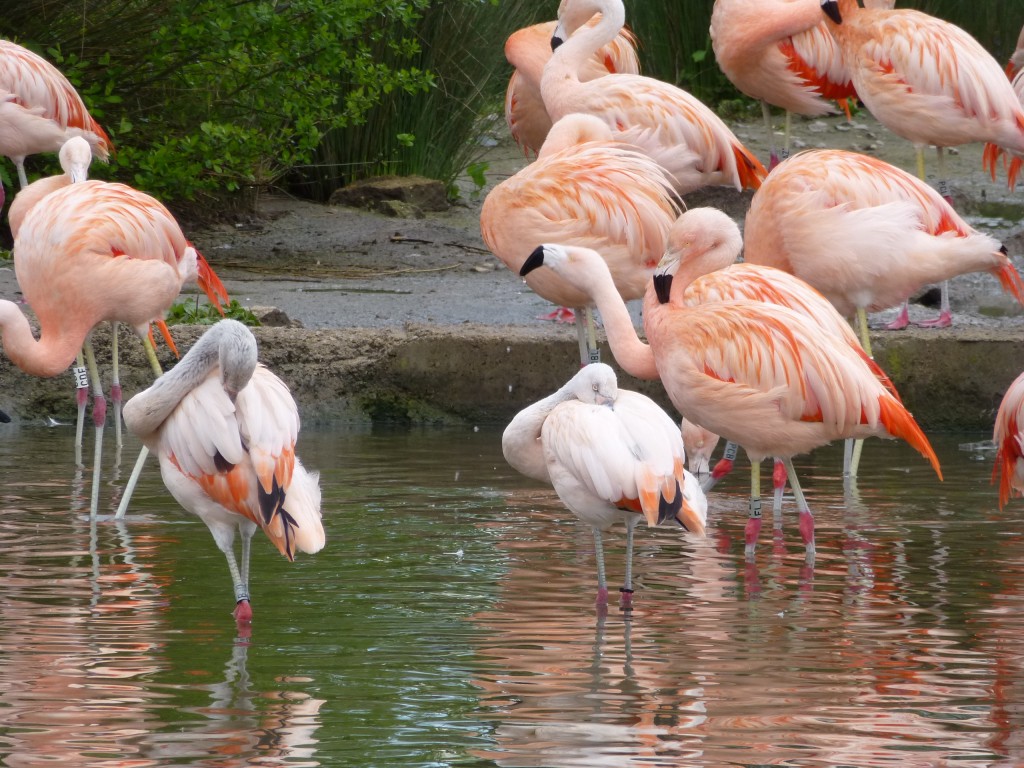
722	468
806	518
82	399
753	527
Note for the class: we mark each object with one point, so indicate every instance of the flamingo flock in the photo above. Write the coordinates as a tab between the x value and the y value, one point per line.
761	353
89	251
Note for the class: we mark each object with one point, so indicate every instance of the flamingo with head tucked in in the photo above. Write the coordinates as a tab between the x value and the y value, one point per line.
224	429
612	455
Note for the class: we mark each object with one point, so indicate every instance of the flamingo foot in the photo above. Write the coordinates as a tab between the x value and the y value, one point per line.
807	529
944	320
243	612
902	320
560	315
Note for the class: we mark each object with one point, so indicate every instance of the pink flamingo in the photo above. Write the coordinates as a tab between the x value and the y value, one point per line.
587	189
1008	435
928	81
865	233
612	455
528	50
780	53
761	375
681	133
703	247
40	109
93	252
224	429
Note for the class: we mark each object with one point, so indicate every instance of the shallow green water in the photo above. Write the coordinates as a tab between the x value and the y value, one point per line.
450	621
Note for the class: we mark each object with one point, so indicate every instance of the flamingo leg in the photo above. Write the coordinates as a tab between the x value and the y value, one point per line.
81	374
626	590
586	332
722	468
779	485
133	479
19	162
806	518
753	527
766	112
241	589
602	582
115	388
99	417
788	130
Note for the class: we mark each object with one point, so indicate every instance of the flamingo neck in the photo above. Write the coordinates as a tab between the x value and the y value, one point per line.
521	442
228	346
721	254
48	356
566	61
630	352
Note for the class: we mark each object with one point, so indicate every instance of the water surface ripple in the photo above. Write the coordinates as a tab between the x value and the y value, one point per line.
450	621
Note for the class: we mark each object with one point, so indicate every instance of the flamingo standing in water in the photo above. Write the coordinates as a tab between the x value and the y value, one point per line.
40	109
224	429
704	244
1008	435
95	252
761	375
865	233
929	82
584	189
680	132
528	50
612	455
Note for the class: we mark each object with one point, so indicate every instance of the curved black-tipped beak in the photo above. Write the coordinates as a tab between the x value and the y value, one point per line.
831	9
662	287
534	260
556	41
1002	250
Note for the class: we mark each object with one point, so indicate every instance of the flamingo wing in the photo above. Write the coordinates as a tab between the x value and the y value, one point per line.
594	194
608	453
36	83
1009	439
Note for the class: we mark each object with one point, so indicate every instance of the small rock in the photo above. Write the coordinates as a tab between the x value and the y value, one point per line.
272	317
415	191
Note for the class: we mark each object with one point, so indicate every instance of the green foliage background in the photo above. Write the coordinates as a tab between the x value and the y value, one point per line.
211	100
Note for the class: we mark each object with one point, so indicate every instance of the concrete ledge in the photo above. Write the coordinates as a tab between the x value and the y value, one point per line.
951	380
